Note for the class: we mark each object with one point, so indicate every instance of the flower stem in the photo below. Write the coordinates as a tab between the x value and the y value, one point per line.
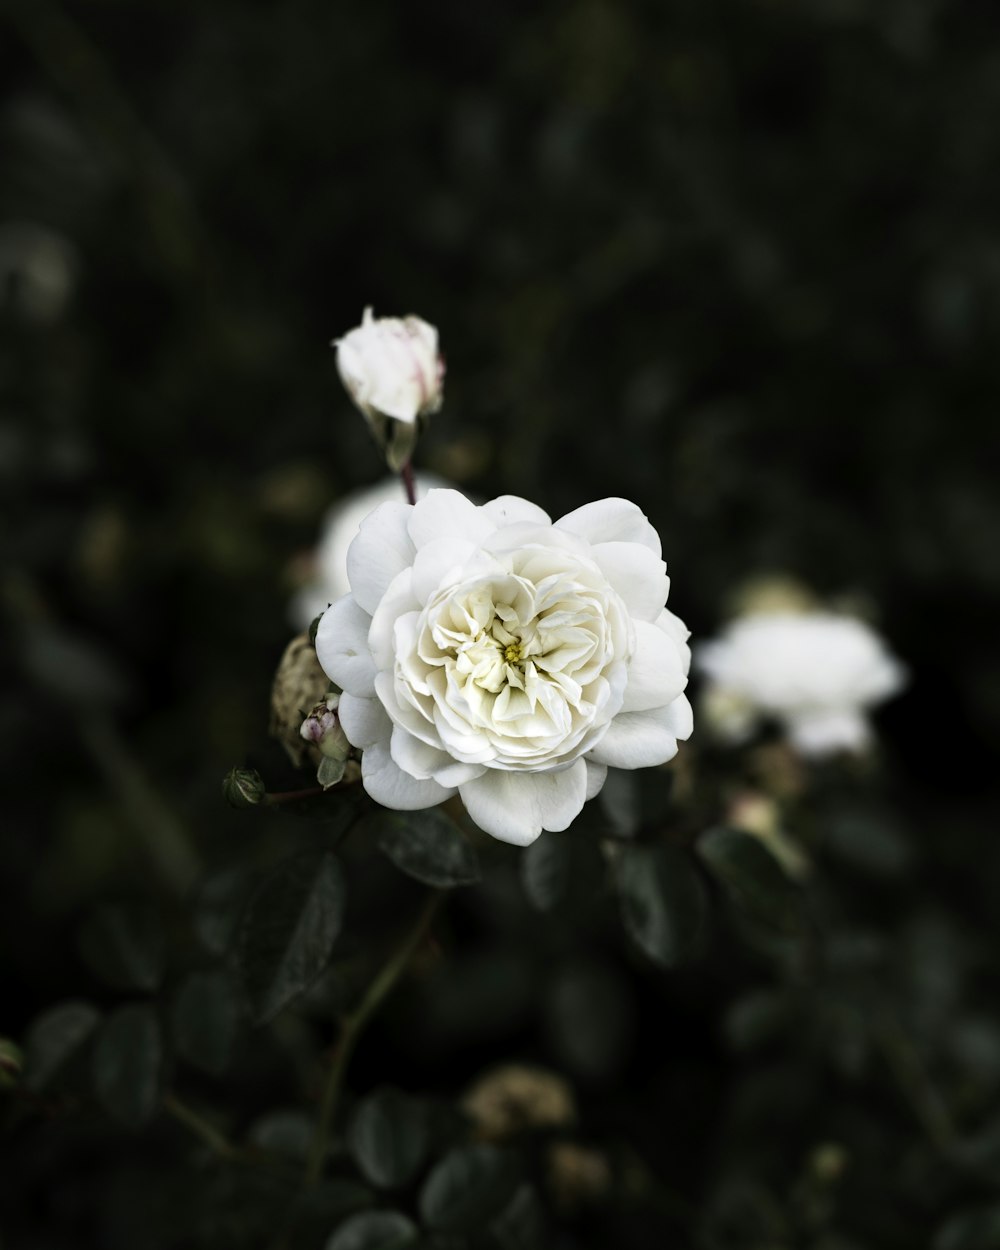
406	473
201	1128
353	1026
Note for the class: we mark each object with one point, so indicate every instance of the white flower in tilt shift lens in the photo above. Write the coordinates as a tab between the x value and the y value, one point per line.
393	371
488	651
816	673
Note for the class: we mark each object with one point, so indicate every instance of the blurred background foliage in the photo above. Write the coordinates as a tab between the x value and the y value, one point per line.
738	261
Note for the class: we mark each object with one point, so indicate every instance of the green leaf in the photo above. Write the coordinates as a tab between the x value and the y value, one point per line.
662	901
752	878
388	1138
521	1224
54	1038
429	847
219	908
124	945
283	1133
127	1065
330	772
374	1230
546	869
289	931
205	1019
469	1186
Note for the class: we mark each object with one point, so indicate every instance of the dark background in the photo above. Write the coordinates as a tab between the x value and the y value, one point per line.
738	261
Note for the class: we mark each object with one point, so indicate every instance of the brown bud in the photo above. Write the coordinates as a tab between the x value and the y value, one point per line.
299	684
513	1099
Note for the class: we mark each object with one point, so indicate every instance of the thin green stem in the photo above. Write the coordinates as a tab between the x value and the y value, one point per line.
205	1132
353	1025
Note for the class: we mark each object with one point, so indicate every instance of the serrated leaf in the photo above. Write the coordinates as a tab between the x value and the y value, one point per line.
546	868
127	1065
469	1186
429	847
54	1038
289	930
752	879
388	1138
124	945
374	1230
205	1019
662	902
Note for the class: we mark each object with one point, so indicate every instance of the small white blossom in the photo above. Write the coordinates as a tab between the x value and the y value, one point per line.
816	673
394	373
490	652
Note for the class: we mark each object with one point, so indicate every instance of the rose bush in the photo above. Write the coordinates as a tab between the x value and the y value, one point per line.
816	673
489	652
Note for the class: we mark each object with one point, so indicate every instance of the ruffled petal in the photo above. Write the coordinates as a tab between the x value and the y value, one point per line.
387	784
342	647
509	509
363	720
611	521
597	774
644	739
656	673
447	514
381	550
436	560
637	574
425	762
516	807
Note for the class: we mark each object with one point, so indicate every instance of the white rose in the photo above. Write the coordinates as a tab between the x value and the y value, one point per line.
393	371
488	651
816	673
339	529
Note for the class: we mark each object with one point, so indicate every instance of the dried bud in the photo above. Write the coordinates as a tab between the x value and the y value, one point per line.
243	787
299	684
394	373
577	1175
513	1099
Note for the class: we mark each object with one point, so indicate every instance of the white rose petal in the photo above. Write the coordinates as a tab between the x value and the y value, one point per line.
488	651
816	673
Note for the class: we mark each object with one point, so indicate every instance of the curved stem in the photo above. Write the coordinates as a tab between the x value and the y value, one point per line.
201	1128
353	1026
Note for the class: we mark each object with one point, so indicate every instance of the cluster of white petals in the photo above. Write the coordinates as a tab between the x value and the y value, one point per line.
339	529
393	371
485	650
816	673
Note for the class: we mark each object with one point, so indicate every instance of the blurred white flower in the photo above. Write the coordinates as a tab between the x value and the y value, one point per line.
488	651
816	673
393	371
339	529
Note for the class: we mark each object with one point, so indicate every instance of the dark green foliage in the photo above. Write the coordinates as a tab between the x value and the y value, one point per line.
388	1138
735	261
127	1064
288	931
467	1188
662	901
426	846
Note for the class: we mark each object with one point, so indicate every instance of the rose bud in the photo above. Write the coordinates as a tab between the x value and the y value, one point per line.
394	373
322	729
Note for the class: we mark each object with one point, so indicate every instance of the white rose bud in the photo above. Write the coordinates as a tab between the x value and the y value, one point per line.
394	373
